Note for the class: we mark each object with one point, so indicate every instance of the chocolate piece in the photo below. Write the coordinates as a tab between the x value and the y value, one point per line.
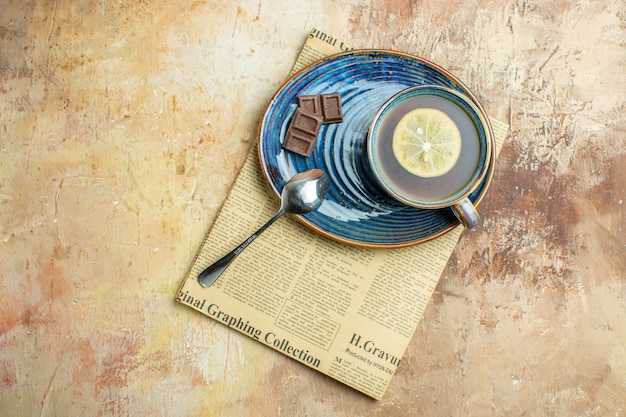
306	122
311	104
331	108
299	142
312	112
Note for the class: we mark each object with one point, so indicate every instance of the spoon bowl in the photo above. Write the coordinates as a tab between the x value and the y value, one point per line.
303	193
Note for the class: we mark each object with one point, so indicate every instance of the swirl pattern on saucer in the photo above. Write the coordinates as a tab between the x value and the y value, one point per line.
356	210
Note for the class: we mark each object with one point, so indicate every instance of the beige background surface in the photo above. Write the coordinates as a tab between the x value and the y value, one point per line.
123	124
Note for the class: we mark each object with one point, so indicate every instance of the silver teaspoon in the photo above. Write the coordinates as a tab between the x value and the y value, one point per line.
303	193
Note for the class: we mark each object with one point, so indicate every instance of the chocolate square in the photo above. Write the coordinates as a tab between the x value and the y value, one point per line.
306	122
331	108
311	104
299	142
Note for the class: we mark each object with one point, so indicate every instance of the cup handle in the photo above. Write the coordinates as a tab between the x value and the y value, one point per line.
466	213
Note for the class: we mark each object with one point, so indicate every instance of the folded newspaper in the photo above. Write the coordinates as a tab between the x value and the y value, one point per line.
348	312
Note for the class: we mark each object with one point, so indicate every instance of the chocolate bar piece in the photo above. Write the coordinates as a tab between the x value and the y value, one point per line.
331	108
311	104
312	112
306	122
302	132
328	106
299	142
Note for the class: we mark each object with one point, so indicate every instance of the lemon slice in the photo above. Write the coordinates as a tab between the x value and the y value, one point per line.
426	142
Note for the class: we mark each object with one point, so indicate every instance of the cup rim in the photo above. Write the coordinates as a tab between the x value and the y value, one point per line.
480	114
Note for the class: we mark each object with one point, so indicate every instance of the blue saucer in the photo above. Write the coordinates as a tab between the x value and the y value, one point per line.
356	210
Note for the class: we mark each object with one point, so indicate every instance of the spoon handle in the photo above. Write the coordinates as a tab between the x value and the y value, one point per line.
212	272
